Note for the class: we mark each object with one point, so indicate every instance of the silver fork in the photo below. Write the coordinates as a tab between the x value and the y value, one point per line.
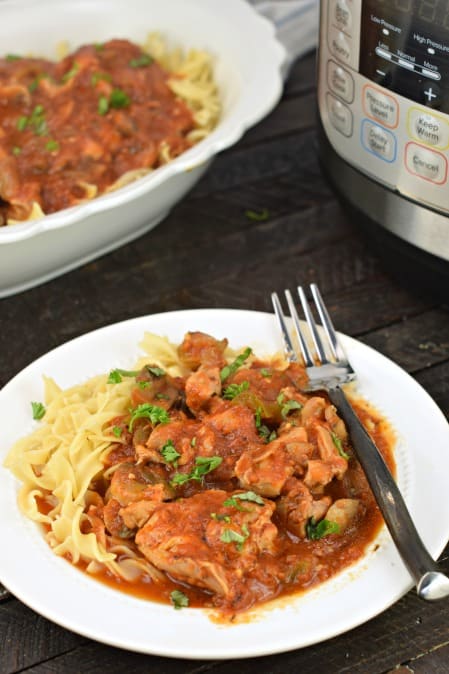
329	375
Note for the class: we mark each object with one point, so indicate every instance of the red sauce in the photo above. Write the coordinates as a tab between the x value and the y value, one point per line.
92	117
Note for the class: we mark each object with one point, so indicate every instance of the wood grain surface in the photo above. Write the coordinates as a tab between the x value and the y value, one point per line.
209	253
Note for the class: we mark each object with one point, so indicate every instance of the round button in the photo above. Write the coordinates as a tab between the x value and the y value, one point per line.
426	163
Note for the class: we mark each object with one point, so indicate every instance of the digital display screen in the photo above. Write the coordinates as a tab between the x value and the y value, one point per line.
404	47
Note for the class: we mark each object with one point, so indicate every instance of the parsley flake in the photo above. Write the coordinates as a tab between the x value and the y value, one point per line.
258	216
231	536
117	430
38	410
179	599
317	530
233	390
338	444
203	466
142	60
115	376
70	73
157	415
169	452
227	370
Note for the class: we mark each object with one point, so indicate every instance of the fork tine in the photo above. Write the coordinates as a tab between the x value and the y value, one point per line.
312	326
288	344
305	351
326	322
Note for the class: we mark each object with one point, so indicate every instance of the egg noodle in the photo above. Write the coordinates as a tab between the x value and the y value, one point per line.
59	460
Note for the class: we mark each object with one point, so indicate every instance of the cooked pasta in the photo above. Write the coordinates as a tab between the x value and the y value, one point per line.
203	469
97	120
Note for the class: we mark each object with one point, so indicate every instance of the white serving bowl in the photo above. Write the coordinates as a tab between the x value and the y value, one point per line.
248	63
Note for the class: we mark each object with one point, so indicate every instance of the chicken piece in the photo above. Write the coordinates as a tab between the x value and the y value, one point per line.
136	514
227	434
336	424
296	506
180	433
198	348
131	483
313	409
344	511
265	469
329	452
203	542
295	441
113	520
201	386
319	473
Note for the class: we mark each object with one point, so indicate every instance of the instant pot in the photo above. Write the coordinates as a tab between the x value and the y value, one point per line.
383	97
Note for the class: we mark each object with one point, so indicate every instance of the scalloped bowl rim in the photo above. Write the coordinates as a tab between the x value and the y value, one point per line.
226	134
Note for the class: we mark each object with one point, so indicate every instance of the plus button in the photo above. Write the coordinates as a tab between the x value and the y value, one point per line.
429	94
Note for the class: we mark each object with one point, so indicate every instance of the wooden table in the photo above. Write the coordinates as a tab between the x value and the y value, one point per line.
209	253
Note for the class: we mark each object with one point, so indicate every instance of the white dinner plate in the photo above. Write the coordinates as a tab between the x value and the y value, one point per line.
65	595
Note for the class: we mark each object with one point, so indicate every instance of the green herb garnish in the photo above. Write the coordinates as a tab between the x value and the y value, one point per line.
179	599
70	73
118	99
221	518
117	430
265	372
169	452
142	60
203	466
238	362
115	376
231	536
262	429
13	57
22	123
52	146
38	410
245	496
233	390
16	150
317	530
96	77
157	415
289	406
338	444
103	105
258	216
154	370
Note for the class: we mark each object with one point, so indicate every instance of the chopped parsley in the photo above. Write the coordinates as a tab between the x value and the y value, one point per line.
52	146
35	83
238	362
288	405
262	429
338	444
169	452
38	410
145	384
97	77
70	73
244	496
117	430
258	216
103	105
179	599
16	150
118	99
233	390
13	57
317	530
231	536
157	415
203	466
142	60
265	372
115	376
22	123
156	371
221	518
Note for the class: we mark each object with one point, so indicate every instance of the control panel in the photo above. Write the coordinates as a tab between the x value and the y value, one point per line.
383	92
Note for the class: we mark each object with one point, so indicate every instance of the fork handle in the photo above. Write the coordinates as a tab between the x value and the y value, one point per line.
430	582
